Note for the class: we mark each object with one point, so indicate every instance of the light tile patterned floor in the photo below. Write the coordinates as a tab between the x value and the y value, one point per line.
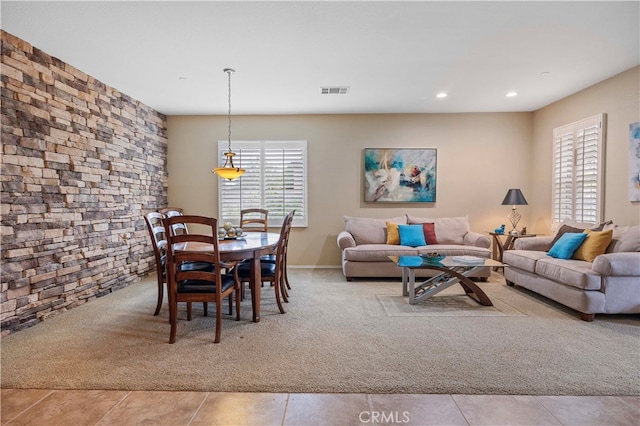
102	407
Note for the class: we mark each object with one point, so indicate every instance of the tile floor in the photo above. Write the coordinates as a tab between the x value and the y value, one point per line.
102	407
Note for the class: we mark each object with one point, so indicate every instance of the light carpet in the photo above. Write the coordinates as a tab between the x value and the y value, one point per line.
336	336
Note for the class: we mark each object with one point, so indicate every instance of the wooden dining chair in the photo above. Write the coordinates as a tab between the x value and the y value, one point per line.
272	272
165	210
188	285
179	227
254	220
159	244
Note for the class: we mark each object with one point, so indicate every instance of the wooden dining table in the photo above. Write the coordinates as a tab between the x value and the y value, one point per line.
249	247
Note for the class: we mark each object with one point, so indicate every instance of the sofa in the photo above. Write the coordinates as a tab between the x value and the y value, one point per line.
366	244
606	283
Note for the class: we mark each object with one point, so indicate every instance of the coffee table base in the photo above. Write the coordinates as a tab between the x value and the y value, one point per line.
445	279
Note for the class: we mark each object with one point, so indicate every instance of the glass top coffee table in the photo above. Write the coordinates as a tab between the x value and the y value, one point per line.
453	270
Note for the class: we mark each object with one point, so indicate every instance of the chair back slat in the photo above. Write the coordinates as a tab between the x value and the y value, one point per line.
254	220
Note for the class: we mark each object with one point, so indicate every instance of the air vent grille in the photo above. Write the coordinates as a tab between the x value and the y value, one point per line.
334	90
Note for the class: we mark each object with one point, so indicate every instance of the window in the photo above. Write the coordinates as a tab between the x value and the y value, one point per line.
578	171
275	179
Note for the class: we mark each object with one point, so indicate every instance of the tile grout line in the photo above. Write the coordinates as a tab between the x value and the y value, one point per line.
546	409
460	410
114	407
286	406
206	396
30	407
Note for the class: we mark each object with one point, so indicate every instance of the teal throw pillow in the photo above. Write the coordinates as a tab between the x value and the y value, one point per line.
412	235
566	245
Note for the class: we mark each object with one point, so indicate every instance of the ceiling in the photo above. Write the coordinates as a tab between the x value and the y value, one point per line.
394	56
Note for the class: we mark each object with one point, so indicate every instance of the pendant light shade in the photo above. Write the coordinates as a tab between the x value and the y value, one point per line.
228	170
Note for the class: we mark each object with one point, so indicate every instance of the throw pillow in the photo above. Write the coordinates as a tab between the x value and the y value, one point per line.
566	245
412	235
393	235
594	245
429	230
563	230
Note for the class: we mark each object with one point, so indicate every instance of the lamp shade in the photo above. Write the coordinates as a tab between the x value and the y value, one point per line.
514	197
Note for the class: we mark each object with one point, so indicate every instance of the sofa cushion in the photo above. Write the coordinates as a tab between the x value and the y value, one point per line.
415	219
523	259
393	235
370	231
451	230
630	240
594	245
567	245
574	273
377	252
412	235
456	250
564	229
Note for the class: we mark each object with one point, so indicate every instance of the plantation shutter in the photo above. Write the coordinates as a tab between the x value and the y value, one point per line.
275	179
579	171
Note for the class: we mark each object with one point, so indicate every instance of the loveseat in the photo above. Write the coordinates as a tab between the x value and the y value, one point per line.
366	244
608	284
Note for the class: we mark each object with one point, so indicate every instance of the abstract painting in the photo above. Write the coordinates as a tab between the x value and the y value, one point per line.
634	161
401	175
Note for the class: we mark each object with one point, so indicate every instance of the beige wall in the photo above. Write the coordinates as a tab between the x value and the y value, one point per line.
480	156
619	98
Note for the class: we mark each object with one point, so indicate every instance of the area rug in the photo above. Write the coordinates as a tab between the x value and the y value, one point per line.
336	337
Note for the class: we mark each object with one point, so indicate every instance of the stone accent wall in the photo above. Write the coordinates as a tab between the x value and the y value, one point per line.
81	163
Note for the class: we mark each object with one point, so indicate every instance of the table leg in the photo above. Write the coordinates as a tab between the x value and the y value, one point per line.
444	280
412	286
405	282
256	285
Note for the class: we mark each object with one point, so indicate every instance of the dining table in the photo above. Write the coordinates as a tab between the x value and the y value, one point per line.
249	247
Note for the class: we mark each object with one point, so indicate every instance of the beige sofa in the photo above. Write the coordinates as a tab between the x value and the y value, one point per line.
608	285
365	252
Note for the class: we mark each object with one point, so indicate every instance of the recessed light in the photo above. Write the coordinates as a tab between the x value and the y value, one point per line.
441	95
511	94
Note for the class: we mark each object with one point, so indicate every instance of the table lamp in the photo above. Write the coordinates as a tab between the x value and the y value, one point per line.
514	198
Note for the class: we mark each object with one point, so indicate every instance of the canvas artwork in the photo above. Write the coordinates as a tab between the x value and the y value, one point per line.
634	161
400	175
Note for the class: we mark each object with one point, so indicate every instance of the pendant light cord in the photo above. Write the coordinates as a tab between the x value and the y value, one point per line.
229	71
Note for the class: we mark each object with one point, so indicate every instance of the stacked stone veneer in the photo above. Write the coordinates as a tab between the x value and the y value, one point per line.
81	163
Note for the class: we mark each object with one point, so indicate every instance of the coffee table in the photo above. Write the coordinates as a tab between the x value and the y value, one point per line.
451	272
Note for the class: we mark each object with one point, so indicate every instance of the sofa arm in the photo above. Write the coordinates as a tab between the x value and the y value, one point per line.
476	239
533	243
345	239
618	264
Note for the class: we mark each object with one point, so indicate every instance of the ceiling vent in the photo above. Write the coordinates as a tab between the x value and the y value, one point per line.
334	90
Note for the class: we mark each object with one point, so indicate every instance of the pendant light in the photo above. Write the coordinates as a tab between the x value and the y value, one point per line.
228	171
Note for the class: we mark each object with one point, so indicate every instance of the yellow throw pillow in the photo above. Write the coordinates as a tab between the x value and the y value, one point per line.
393	234
594	245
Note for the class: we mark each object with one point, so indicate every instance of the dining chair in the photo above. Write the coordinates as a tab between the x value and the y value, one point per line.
272	272
188	285
159	244
165	210
179	227
254	220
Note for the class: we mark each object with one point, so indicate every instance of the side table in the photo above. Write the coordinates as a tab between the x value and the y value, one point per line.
499	246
